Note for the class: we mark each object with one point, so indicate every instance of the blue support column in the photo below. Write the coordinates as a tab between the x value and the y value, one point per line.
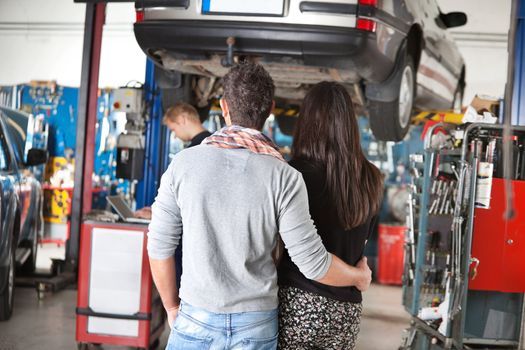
156	152
518	100
166	144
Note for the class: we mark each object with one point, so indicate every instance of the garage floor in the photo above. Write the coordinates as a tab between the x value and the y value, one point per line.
50	323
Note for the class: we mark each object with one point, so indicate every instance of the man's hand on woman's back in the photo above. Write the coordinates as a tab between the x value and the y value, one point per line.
340	274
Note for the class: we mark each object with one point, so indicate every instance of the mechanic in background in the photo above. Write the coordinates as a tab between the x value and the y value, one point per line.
183	120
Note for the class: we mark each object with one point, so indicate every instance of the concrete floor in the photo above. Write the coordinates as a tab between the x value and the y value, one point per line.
384	319
50	323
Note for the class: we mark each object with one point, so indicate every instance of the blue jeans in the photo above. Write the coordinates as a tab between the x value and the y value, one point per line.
197	329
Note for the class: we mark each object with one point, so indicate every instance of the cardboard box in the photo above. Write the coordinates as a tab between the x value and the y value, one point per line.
482	109
482	103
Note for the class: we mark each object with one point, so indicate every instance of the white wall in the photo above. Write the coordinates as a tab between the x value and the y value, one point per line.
483	44
43	40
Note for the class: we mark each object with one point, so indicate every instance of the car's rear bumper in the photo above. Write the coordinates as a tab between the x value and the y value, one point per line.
331	47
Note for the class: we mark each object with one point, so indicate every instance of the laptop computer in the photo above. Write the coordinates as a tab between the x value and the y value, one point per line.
124	211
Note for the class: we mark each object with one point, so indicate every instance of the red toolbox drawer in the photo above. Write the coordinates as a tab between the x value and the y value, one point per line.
499	244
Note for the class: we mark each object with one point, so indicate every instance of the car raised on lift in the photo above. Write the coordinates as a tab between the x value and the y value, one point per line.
392	55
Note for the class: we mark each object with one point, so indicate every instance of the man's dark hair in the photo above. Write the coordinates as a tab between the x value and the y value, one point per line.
248	90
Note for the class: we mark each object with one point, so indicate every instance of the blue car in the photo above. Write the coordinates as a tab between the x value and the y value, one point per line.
21	197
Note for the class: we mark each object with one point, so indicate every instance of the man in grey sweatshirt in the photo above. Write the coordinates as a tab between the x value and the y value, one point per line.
234	196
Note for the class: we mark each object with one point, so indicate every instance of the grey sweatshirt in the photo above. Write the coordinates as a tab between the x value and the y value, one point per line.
232	204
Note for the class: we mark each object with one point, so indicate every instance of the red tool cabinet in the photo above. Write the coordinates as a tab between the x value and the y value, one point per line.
499	245
390	254
116	302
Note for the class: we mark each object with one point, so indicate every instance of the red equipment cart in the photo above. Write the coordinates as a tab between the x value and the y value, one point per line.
117	303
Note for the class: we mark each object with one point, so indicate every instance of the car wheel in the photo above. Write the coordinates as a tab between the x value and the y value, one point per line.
82	346
389	120
154	345
7	295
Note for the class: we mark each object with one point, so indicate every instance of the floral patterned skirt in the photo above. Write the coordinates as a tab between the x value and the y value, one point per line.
308	321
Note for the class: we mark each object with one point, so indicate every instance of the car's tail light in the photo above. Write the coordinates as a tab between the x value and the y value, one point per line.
368	2
365	23
139	15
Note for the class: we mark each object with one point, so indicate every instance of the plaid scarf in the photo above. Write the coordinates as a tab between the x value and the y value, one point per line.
235	136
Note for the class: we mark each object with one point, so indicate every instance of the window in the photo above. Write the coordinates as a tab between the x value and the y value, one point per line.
16	136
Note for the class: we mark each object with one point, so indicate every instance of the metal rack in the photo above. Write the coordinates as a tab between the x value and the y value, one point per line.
446	178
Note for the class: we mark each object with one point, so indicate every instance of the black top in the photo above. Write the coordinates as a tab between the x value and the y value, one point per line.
345	244
199	138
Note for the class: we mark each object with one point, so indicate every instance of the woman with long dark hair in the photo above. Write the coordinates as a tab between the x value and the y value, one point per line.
344	194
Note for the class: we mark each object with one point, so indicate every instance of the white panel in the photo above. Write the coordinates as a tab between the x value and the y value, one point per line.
125	328
28	11
44	42
292	15
274	7
486	70
115	279
56	230
483	44
488	16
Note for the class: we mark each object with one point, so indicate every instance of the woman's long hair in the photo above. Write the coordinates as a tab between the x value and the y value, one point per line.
327	134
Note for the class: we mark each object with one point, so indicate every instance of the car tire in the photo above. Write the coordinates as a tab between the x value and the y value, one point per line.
8	294
154	345
390	120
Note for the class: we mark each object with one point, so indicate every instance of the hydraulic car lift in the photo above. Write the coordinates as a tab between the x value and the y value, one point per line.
85	147
149	319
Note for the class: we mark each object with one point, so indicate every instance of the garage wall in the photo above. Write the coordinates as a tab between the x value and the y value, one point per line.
42	40
483	44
